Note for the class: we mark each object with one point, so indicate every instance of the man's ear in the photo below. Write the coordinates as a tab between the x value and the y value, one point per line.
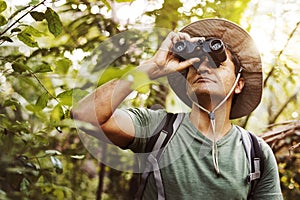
239	86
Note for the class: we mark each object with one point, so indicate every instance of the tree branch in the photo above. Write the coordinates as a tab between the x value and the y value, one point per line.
276	137
281	52
17	21
44	87
273	119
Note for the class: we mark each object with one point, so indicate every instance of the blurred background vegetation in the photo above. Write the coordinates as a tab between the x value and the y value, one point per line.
53	52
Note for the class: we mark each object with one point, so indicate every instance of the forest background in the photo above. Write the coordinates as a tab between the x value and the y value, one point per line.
54	52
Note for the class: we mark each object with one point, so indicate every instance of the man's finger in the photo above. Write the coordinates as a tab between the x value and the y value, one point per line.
187	63
196	39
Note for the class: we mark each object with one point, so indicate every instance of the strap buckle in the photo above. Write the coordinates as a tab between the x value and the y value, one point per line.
256	174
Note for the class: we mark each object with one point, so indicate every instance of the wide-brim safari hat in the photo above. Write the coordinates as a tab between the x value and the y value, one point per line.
244	47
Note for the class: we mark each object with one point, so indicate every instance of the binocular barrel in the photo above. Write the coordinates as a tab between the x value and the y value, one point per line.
213	48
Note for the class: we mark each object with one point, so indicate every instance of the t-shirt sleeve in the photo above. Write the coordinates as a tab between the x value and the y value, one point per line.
268	186
145	122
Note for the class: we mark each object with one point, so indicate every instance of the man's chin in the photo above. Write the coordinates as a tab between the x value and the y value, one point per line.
205	97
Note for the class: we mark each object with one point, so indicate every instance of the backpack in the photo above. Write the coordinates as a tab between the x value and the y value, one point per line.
163	134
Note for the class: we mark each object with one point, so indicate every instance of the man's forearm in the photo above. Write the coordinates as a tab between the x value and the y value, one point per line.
98	106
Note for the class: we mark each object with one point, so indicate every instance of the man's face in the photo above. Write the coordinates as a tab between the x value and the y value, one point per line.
211	84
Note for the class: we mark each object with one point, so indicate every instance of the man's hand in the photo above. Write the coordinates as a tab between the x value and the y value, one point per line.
164	61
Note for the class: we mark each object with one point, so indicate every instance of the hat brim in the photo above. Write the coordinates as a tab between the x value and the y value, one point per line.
244	47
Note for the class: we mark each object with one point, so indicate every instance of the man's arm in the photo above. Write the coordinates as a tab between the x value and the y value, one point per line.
100	107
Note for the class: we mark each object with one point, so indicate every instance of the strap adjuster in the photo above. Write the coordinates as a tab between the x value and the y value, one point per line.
256	174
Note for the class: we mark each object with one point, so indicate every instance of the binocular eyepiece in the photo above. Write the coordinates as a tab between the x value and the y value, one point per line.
212	48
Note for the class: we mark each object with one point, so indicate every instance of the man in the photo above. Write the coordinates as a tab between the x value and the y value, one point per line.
205	158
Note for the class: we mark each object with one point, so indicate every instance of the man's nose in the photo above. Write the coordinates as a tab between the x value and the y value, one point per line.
203	66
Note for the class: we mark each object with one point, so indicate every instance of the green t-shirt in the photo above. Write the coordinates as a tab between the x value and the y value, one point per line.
187	166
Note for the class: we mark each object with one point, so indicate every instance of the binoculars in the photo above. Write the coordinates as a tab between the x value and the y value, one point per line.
212	48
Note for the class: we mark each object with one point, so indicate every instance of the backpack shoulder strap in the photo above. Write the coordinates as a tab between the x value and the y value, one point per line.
162	134
255	157
156	146
257	162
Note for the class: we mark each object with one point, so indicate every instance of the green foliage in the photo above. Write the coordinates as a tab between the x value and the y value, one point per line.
27	39
62	66
37	16
42	68
67	97
19	67
37	137
166	17
27	35
3	20
54	23
233	10
3	6
290	175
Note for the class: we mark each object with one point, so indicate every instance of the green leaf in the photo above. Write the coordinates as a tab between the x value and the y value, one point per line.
59	194
113	72
14	30
57	164
27	39
20	67
57	114
24	186
54	23
11	102
42	101
109	74
62	65
141	81
33	31
34	2
67	97
107	4
166	17
6	39
43	68
3	20
3	6
37	16
78	94
30	107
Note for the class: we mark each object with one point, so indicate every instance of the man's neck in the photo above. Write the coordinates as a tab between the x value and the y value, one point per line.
201	121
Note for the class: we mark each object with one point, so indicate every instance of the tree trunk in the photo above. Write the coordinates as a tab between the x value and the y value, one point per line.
101	174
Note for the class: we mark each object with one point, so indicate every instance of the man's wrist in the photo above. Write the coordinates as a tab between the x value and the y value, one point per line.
149	67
